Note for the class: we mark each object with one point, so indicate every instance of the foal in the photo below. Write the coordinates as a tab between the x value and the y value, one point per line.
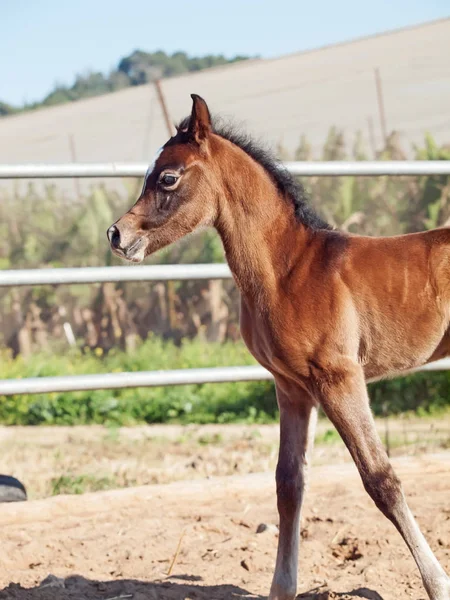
322	310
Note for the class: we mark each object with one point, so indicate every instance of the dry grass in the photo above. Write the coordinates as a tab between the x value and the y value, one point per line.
74	460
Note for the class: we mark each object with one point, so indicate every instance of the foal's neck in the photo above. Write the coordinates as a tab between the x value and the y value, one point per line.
260	233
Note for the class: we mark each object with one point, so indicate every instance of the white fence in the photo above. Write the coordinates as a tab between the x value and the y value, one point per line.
306	169
23	277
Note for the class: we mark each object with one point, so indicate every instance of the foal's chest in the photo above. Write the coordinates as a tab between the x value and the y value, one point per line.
257	334
265	342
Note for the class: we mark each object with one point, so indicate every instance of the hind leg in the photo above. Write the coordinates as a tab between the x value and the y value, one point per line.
345	401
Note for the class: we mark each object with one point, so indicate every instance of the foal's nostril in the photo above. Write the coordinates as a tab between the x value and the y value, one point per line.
114	236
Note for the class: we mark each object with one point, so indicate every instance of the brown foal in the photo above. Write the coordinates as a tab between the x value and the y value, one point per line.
322	310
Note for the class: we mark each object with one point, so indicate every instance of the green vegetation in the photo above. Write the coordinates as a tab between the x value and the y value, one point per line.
329	436
6	109
379	205
81	484
249	402
136	69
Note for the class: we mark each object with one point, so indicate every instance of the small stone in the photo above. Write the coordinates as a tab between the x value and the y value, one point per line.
262	527
245	564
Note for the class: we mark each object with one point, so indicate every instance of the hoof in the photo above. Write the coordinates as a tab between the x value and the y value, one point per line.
11	490
446	590
278	593
439	590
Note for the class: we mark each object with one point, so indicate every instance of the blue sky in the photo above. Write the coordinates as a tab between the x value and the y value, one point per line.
47	41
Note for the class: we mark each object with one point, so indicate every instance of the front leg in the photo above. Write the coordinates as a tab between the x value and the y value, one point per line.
298	417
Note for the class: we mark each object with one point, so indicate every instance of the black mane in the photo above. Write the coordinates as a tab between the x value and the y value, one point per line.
286	184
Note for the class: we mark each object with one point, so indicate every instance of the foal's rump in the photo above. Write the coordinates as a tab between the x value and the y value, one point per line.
401	290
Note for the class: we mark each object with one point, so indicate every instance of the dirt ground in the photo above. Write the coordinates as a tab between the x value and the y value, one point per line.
120	544
74	460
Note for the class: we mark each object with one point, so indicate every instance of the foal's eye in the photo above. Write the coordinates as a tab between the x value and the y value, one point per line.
168	180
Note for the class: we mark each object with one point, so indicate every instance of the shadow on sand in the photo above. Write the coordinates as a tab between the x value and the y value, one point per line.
321	594
178	587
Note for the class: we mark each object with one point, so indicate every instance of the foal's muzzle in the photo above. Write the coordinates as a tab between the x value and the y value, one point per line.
125	245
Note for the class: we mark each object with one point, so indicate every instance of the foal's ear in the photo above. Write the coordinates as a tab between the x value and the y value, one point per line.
200	122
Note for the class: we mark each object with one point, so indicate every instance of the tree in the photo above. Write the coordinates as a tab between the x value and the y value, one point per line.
6	109
138	68
142	67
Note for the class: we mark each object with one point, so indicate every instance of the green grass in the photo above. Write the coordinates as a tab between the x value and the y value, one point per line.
80	484
330	436
211	439
245	402
252	402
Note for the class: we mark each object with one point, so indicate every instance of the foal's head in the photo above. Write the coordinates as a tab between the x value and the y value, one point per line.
186	185
179	192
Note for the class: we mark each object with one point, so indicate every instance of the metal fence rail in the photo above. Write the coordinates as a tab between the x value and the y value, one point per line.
21	277
38	385
307	169
76	383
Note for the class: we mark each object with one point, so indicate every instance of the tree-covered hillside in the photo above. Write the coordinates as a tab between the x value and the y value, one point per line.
136	69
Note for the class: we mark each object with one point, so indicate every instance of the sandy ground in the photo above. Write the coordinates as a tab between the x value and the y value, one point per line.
120	544
94	458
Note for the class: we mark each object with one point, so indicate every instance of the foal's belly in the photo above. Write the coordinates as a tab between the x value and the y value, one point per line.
406	351
443	348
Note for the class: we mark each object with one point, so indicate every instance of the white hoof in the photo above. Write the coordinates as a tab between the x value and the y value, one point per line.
278	593
439	590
